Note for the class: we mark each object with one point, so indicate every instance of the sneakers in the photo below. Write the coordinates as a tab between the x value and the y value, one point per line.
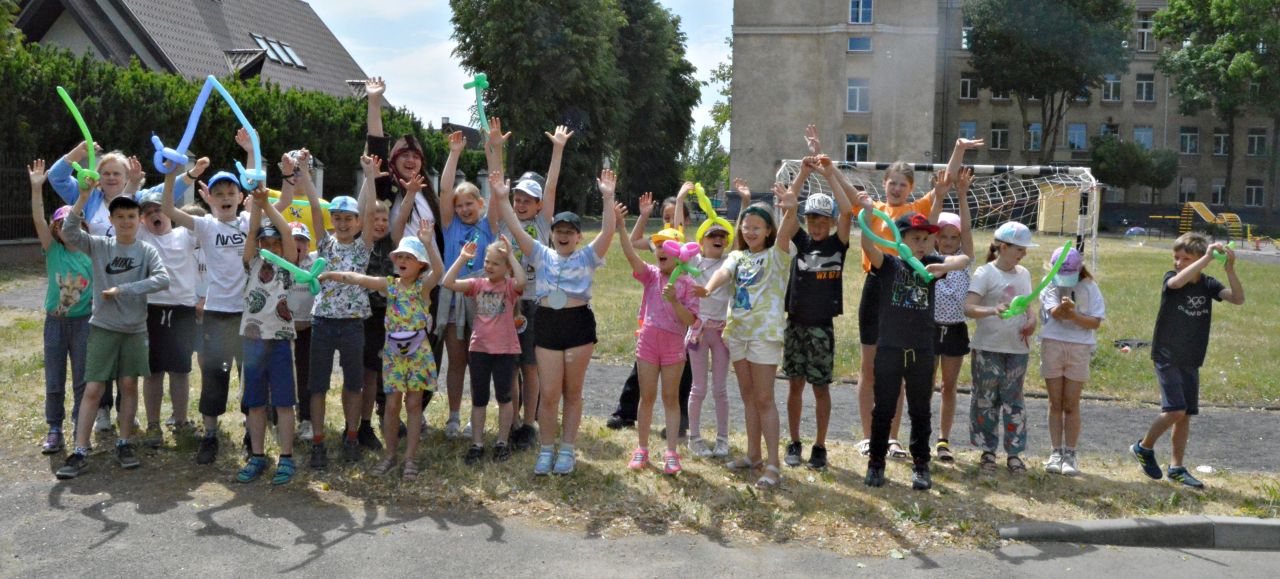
864	447
252	469
722	448
475	454
698	448
351	450
542	466
818	458
103	421
501	452
1069	466
284	471
368	438
793	453
1054	464
875	476
53	443
920	479
1182	475
319	456
154	438
451	429
126	456
208	451
639	459
304	430
76	465
1147	459
670	463
524	437
466	430
616	422
565	461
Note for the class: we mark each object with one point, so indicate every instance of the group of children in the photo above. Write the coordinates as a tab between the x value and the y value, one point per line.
506	290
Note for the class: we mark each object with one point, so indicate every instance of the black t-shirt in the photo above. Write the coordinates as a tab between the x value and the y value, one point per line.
906	304
380	266
815	291
1182	326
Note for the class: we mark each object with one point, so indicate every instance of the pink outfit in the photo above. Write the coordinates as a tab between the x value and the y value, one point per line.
657	312
710	341
659	347
495	327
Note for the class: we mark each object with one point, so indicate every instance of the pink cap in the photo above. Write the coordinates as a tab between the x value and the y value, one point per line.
949	220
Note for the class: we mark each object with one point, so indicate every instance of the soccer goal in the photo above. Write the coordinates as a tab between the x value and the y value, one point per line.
1057	203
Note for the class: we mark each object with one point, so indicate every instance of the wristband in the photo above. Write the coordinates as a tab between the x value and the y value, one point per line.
188	175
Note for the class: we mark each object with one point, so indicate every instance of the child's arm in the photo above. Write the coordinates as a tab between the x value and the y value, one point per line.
637	231
558	141
844	215
178	216
412	188
874	255
135	176
427	235
255	224
719	278
973	307
606	184
677	220
950	264
638	265
1188	273
787	201
71	232
157	277
373	89
318	232
371	165
242	139
288	182
517	272
963	180
953	166
494	146
38	176
942	181
456	143
499	189
451	280
1234	294
744	195
685	316
378	284
287	244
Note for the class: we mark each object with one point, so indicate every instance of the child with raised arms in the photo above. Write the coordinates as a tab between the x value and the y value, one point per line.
955	237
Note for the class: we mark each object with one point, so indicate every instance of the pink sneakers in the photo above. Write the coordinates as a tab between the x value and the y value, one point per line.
639	459
670	463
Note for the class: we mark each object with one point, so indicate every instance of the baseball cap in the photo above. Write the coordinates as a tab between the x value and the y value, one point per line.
530	188
268	230
946	219
914	221
1015	233
565	217
820	204
1069	273
413	247
665	234
299	229
715	226
61	213
122	202
221	176
344	203
149	197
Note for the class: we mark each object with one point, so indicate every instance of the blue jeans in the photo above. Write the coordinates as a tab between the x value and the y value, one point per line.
268	373
344	336
64	337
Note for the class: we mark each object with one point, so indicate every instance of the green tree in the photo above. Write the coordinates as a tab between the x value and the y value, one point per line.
706	161
1162	168
1046	53
722	110
1118	163
10	36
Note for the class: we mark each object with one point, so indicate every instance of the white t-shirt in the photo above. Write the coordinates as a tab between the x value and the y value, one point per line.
223	247
716	305
423	212
301	300
996	286
1088	299
178	252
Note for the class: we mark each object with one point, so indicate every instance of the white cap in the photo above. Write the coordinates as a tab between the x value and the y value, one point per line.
1015	233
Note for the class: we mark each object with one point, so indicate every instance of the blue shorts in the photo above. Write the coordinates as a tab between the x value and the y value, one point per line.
1179	388
268	364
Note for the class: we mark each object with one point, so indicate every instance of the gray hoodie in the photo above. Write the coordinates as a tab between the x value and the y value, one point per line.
135	268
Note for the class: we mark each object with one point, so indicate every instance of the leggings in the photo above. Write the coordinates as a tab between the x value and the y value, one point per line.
64	338
711	343
894	366
501	368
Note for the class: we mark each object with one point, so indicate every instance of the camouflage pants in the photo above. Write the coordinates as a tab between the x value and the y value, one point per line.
996	402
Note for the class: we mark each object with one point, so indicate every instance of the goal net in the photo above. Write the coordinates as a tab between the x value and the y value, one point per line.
1057	203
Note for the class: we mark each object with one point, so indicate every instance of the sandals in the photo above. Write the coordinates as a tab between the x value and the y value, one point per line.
284	472
383	467
1016	466
864	447
988	463
410	471
944	452
771	479
896	451
741	463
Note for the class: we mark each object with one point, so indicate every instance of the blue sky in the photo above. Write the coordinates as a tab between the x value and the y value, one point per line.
409	43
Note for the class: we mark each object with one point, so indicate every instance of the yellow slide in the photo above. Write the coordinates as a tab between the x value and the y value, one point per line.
1190	209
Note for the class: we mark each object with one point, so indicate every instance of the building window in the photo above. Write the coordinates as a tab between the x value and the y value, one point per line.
1077	136
1143	135
856	148
1083	96
1106	129
1186	189
1253	195
1111	88
1218	191
1146	89
968	130
278	51
968	86
858	99
966	31
293	55
859	44
1257	143
1113	195
999	137
1145	30
1035	136
860	12
1221	143
1000	95
1189	141
266	47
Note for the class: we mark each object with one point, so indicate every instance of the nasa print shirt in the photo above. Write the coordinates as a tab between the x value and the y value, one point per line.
223	246
814	292
135	269
1182	326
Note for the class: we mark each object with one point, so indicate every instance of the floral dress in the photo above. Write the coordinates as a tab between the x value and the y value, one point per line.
407	363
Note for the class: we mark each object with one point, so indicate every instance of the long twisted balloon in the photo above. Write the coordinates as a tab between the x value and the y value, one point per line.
249	178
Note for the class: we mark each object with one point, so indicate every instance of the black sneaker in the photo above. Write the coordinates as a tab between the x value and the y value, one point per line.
75	466
208	451
920	479
319	456
1147	460
126	456
525	437
875	476
474	454
818	458
1182	475
501	452
616	422
368	438
794	450
351	450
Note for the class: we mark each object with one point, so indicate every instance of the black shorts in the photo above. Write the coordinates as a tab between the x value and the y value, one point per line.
375	333
1179	388
565	329
529	308
952	340
869	311
171	331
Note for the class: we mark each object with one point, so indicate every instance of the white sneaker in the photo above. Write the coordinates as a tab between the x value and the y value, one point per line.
1054	464
722	448
864	447
1069	465
451	429
171	422
698	448
304	431
466	430
103	422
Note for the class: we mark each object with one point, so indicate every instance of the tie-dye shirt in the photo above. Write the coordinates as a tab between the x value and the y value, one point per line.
572	275
759	285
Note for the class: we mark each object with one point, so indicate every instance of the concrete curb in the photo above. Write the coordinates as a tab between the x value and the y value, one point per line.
1184	532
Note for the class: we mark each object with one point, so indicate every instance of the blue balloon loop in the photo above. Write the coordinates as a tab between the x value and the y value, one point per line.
249	178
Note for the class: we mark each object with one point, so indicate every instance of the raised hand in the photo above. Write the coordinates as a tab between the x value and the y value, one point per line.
685	188
287	166
784	198
864	200
469	250
204	192
740	185
942	180
37	173
811	140
135	173
646	204
964	180
498	186
414	185
371	165
496	137
970	143
242	139
426	231
374	87
606	183
260	196
620	213
560	137
457	142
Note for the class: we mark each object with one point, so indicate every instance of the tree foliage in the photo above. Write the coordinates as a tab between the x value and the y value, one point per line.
1118	163
1162	168
1047	50
706	161
10	36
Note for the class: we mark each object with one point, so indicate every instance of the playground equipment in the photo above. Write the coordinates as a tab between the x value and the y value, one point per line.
1192	209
